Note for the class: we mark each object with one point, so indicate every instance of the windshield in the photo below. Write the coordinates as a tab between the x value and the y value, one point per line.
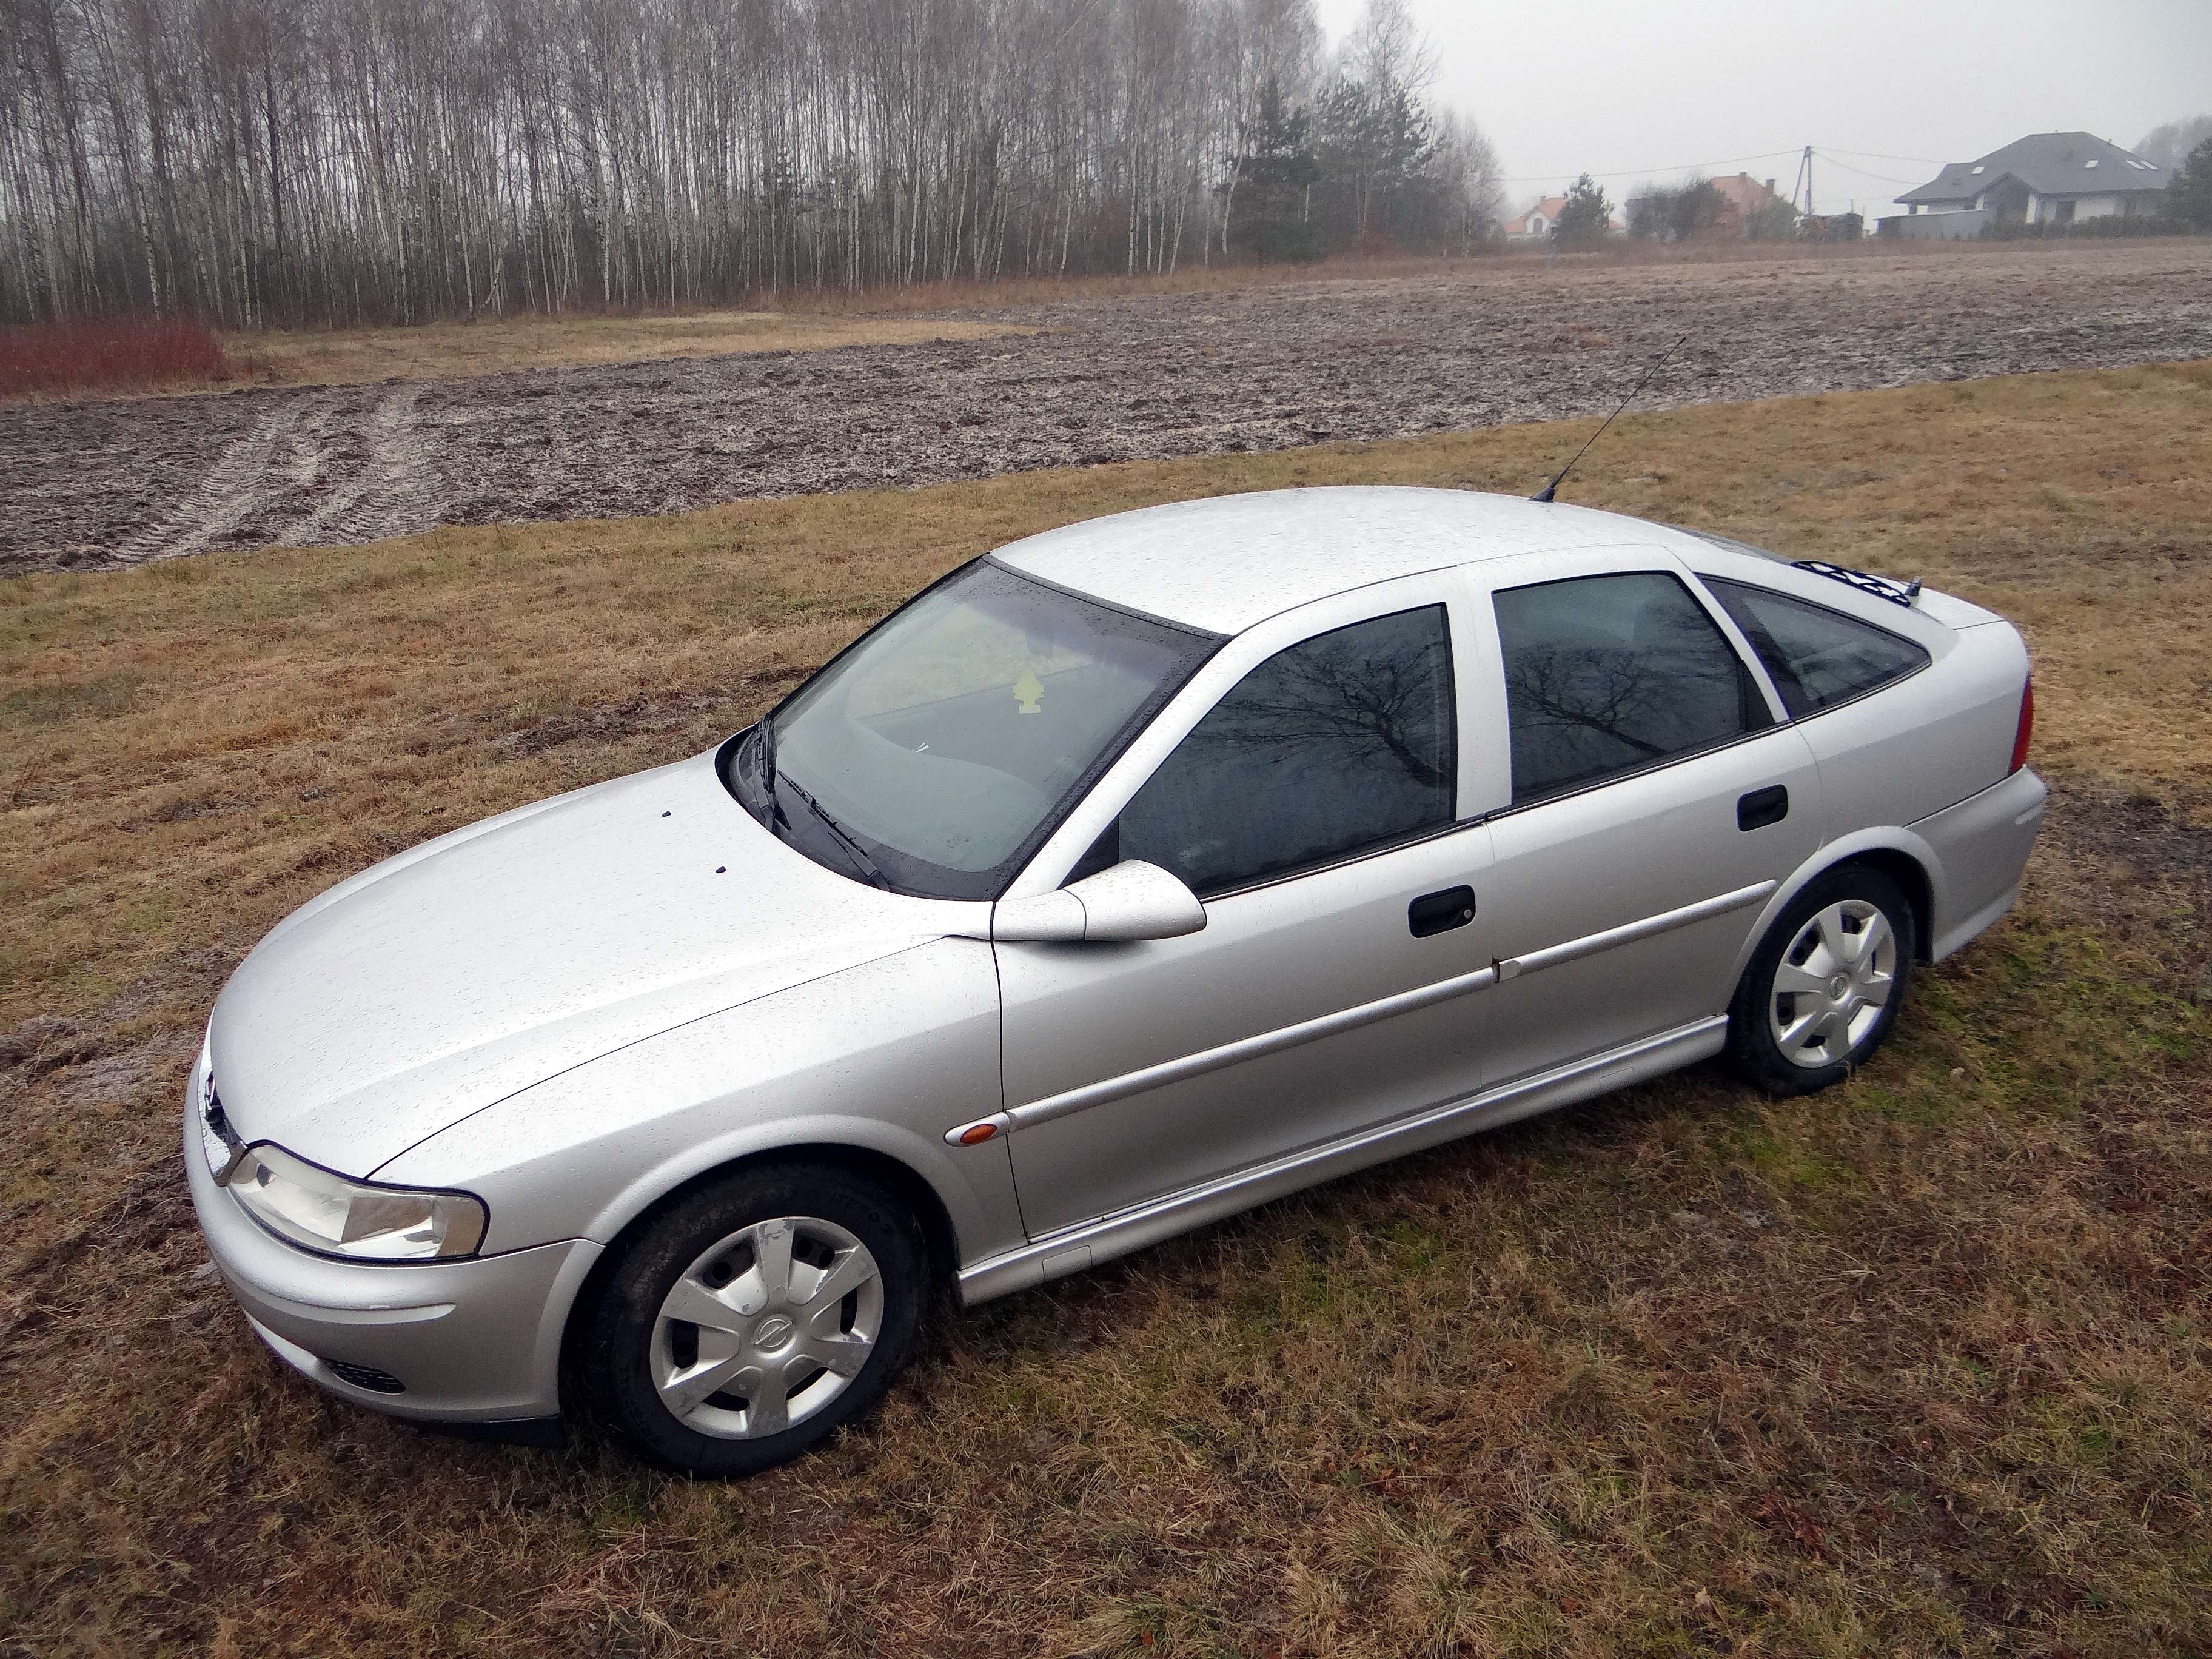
936	754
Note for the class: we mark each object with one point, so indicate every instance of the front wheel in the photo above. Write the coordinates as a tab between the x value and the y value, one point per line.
1824	985
750	1319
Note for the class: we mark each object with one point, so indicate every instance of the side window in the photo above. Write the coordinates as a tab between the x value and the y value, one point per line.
1606	674
1339	742
1818	657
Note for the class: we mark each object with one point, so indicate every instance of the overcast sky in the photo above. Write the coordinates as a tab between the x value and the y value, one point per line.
1639	90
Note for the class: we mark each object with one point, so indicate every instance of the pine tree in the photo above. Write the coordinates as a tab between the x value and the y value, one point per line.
1585	216
1271	183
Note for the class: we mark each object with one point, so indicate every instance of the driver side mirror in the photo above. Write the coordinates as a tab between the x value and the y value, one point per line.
1132	901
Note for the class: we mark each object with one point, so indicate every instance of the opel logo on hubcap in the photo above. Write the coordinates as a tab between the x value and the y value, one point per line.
1838	986
773	1332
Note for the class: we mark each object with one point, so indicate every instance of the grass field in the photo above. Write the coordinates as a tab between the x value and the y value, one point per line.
813	320
1918	1366
439	350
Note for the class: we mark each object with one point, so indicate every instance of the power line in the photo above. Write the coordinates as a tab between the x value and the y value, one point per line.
1632	172
1876	155
1829	157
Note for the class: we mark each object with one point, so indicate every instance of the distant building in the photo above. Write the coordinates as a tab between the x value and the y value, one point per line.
1536	223
1742	199
2046	178
1745	197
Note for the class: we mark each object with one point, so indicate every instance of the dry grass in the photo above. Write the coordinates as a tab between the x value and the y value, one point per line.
444	351
1918	1366
815	321
1498	262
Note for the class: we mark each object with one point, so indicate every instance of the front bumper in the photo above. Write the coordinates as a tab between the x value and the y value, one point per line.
473	1341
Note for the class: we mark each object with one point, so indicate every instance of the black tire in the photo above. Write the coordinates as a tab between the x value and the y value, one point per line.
697	1246
1762	1042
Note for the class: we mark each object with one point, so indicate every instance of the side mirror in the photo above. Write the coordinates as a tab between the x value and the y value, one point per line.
1133	900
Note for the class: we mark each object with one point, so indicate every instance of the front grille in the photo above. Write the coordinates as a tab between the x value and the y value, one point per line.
366	1377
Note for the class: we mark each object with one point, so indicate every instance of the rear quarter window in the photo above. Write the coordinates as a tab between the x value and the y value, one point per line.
1818	657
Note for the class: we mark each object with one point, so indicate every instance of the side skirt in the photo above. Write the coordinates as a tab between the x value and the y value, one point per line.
1073	1249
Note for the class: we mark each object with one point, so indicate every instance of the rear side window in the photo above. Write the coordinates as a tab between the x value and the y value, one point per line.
1343	741
1818	657
1610	674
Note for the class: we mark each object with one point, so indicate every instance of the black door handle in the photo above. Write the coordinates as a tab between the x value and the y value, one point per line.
1439	913
1762	807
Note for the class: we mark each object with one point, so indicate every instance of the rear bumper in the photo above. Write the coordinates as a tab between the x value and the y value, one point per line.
471	1342
1982	846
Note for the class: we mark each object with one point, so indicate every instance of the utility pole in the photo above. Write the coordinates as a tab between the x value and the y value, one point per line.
1805	168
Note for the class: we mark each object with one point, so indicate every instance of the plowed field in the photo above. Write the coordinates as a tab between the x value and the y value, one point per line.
95	485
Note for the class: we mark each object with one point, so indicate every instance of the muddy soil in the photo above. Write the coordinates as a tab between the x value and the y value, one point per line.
115	484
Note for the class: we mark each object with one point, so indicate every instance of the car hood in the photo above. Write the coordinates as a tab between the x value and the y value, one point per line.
465	969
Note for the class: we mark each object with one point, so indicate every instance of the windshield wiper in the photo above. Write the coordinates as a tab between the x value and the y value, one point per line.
764	760
860	859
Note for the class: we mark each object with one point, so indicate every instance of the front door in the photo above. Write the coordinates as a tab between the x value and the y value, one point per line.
1313	810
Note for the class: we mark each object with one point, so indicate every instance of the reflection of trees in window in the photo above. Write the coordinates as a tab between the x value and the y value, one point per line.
1339	742
1337	694
1607	673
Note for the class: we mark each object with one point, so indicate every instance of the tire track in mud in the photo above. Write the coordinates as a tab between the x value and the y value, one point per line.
233	486
310	470
116	485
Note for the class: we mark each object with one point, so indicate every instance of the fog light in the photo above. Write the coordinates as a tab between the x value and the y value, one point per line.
365	1376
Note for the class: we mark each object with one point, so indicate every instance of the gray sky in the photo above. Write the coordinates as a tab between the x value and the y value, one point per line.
1643	90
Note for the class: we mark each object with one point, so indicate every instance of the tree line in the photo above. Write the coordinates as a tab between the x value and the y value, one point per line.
255	162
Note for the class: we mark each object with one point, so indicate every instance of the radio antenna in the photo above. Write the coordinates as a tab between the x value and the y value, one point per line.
1552	489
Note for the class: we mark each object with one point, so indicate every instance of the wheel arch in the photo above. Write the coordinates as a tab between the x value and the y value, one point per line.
1912	879
939	1235
1899	854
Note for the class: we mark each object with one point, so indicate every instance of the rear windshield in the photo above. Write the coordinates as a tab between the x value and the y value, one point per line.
936	754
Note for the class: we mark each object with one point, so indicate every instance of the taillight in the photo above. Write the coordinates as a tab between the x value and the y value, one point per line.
2026	725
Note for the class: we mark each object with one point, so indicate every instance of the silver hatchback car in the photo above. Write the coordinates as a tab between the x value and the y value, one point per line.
1133	875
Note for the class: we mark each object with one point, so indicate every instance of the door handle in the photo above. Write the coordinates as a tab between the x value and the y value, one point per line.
1439	913
1762	807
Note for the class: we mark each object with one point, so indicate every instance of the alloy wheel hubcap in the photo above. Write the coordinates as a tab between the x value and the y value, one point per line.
1832	983
766	1328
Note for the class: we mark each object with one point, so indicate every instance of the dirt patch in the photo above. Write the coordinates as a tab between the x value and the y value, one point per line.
113	485
2138	862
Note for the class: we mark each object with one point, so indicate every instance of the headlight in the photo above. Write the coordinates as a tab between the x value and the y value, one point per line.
312	1207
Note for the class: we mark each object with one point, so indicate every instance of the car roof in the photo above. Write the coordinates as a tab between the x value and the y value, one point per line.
1228	562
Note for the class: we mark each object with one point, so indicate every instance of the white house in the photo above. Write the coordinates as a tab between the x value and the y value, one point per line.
2044	178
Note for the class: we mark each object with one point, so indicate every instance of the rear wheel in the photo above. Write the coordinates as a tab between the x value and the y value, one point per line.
744	1324
1824	987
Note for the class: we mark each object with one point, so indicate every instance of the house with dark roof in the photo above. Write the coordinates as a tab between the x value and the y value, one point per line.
2044	178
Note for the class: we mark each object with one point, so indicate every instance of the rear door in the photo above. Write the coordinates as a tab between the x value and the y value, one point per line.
1657	796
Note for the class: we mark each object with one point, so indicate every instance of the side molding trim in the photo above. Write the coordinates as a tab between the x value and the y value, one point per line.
1590	944
1070	1249
1368	1013
1251	1048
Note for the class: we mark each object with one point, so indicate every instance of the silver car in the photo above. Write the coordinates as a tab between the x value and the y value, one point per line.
1135	874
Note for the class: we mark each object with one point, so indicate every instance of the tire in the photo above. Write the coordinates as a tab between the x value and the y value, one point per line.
1824	987
804	1284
